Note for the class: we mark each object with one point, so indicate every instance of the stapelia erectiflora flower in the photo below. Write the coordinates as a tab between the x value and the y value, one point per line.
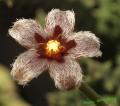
54	48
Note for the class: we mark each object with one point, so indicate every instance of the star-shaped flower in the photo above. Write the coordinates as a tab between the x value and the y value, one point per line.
55	49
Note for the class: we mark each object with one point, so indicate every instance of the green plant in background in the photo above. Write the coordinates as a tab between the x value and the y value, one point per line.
94	72
40	17
75	98
9	2
106	15
8	92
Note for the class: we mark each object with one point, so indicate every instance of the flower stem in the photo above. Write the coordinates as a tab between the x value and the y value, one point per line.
91	94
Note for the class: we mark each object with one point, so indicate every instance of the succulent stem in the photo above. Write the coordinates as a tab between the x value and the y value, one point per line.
91	94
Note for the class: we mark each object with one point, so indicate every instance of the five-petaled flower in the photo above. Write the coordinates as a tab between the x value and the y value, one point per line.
55	49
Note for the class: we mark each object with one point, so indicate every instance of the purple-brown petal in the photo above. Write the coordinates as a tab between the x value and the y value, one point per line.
57	31
67	75
87	45
23	31
70	44
28	66
39	38
69	83
65	19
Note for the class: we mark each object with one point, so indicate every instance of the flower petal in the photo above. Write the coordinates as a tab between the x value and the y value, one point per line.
88	45
24	31
67	75
64	19
28	66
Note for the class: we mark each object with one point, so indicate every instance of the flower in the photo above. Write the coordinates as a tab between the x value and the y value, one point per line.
55	48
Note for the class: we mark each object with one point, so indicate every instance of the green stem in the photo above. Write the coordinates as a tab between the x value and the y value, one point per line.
91	94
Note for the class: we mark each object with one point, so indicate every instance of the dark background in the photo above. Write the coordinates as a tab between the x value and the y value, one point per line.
99	16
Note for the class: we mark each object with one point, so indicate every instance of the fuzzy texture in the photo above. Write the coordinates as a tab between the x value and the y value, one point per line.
23	32
30	64
88	45
66	75
65	19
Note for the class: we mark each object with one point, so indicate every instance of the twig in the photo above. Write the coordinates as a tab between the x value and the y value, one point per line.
91	94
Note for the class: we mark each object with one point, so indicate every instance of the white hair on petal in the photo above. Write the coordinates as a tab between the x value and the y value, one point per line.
65	19
23	31
28	66
67	75
88	45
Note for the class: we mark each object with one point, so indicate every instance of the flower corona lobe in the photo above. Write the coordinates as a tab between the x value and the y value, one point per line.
53	47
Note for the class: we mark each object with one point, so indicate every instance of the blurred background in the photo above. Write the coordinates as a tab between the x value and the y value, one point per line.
102	17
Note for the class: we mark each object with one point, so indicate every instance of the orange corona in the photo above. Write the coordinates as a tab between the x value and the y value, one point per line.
53	47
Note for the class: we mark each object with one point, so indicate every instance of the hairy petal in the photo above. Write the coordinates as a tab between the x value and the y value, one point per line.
64	19
24	31
28	66
67	75
87	45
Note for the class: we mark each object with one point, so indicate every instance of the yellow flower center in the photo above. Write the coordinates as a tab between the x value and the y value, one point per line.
53	47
